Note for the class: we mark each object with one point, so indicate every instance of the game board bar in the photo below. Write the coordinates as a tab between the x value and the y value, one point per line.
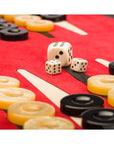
68	26
53	93
103	62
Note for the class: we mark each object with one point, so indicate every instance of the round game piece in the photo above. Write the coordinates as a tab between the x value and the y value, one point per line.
7	82
111	97
100	84
19	113
40	25
14	34
9	96
7	26
111	68
11	17
21	20
1	15
54	18
74	105
47	122
3	21
101	118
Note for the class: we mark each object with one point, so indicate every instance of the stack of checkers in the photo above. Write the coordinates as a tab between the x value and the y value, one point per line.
31	22
23	110
37	23
11	32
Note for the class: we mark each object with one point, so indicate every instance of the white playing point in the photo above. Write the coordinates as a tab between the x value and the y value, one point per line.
68	26
103	62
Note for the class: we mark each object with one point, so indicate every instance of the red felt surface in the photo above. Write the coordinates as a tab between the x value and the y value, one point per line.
31	55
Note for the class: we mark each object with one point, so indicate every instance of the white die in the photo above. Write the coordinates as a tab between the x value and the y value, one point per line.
61	51
53	67
79	64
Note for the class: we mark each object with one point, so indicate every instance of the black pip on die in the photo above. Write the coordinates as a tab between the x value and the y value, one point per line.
61	51
79	64
53	67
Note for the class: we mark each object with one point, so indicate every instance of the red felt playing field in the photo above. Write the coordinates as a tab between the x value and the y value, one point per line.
31	55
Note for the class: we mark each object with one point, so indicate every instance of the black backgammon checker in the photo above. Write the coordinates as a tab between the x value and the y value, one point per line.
14	34
7	26
76	104
55	18
2	21
111	68
100	118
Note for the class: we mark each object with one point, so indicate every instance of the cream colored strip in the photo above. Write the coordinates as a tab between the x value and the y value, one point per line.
68	26
53	93
103	62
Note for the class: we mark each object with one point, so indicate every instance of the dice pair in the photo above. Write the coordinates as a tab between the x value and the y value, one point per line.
59	55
